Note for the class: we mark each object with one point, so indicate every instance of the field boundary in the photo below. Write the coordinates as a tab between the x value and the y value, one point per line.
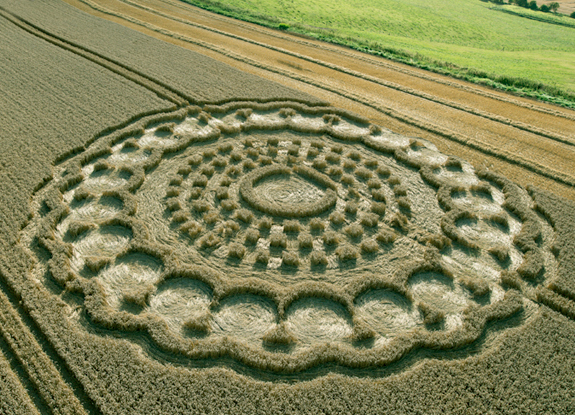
367	58
387	84
561	97
410	120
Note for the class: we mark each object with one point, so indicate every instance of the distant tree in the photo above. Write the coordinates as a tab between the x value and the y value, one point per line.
533	5
572	15
522	3
554	6
544	8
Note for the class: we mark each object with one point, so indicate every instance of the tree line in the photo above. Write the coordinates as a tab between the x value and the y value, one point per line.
546	8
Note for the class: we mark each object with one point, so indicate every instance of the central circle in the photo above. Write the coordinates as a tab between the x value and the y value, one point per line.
290	192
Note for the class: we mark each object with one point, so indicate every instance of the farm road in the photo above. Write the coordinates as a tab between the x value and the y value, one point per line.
528	141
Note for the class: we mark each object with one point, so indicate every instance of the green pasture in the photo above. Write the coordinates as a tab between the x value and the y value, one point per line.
469	39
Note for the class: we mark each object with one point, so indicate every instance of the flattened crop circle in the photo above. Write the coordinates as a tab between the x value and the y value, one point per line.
285	236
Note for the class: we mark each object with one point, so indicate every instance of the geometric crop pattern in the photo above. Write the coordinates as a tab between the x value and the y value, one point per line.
284	237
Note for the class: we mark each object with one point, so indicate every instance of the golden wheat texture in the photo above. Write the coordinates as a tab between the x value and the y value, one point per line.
190	74
182	237
13	396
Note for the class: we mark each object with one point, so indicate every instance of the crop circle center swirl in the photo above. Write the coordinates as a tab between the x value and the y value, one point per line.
280	191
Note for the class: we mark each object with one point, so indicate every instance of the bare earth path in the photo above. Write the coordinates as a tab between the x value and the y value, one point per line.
530	142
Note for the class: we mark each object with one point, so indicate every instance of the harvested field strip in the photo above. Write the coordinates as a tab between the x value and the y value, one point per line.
323	46
382	82
424	125
300	78
536	120
392	85
391	28
548	122
150	84
55	393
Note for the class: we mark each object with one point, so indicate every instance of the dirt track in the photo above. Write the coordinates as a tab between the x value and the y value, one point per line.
530	142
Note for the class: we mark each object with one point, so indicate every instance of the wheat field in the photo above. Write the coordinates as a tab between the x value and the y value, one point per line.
201	216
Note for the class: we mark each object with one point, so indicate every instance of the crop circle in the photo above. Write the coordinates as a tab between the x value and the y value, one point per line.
284	240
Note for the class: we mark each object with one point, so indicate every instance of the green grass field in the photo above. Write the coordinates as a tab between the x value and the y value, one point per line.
465	38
